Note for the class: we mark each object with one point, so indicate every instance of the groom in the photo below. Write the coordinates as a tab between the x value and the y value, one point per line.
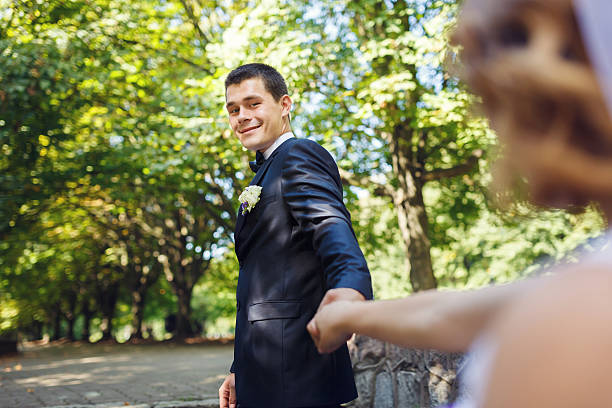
296	249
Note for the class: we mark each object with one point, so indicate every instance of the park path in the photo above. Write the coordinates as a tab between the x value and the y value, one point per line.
163	375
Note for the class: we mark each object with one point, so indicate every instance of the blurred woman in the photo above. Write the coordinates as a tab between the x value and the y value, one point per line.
545	341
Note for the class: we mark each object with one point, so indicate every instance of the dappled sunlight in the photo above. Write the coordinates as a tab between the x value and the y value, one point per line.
55	380
108	370
77	361
131	375
98	369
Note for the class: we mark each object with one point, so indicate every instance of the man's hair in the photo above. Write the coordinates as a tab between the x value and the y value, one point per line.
272	79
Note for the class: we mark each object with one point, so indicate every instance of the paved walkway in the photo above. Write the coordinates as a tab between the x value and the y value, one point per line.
109	376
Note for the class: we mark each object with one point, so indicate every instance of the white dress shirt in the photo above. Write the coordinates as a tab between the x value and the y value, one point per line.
281	139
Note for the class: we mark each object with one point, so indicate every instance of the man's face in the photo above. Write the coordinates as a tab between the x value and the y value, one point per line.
255	117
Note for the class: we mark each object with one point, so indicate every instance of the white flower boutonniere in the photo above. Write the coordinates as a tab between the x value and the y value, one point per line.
248	198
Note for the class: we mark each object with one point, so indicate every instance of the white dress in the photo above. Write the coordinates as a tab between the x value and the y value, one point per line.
473	381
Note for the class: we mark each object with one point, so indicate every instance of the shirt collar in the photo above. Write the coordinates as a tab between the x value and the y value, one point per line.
281	139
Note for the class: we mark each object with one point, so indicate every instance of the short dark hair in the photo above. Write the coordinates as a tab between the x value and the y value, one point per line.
272	79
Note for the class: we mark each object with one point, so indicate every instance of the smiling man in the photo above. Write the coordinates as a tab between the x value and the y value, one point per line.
296	249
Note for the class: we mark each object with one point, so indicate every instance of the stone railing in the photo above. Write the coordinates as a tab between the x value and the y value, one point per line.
388	376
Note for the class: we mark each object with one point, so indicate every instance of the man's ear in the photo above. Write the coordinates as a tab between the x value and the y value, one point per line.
286	104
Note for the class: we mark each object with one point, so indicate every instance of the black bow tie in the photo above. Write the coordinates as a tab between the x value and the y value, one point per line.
259	161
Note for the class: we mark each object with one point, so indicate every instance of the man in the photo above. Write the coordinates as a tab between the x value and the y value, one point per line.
296	249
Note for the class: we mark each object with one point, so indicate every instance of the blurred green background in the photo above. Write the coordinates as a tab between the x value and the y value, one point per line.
119	175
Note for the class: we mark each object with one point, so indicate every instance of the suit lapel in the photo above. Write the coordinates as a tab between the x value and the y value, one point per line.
242	218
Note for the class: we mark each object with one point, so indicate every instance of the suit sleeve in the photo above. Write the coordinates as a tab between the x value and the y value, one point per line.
313	192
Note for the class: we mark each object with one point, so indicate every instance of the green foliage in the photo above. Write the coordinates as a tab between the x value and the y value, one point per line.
375	224
498	249
102	183
215	296
119	174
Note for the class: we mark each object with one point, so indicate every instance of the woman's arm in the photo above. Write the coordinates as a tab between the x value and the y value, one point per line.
447	321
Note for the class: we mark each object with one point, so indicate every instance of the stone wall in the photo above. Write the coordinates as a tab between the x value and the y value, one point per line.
389	376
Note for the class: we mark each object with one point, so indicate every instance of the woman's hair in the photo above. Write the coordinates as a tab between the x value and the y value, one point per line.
527	61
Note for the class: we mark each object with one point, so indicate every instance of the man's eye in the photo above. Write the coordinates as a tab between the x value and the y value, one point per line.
255	104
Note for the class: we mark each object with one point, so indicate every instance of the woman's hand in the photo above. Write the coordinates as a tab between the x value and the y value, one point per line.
330	327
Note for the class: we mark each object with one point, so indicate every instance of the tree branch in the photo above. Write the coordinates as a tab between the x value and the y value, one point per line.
194	20
147	47
462	168
350	179
162	52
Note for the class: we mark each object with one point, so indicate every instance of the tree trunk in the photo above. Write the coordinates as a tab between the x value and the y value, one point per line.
87	315
413	225
139	278
183	270
57	322
108	302
37	330
138	304
182	282
411	212
183	318
71	314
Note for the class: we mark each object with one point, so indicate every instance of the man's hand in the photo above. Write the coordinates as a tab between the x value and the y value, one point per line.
227	392
324	328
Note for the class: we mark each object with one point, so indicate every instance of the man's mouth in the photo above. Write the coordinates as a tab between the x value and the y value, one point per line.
248	129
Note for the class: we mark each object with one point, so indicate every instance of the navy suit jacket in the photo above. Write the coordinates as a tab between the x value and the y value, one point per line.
294	245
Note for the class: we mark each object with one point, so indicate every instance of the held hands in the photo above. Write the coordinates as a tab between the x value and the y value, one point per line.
227	392
328	327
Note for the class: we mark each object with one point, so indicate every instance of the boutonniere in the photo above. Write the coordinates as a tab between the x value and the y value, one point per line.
248	198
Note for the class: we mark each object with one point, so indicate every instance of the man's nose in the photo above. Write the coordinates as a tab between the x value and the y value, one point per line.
243	115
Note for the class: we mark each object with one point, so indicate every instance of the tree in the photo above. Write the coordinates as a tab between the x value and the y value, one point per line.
117	165
395	119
